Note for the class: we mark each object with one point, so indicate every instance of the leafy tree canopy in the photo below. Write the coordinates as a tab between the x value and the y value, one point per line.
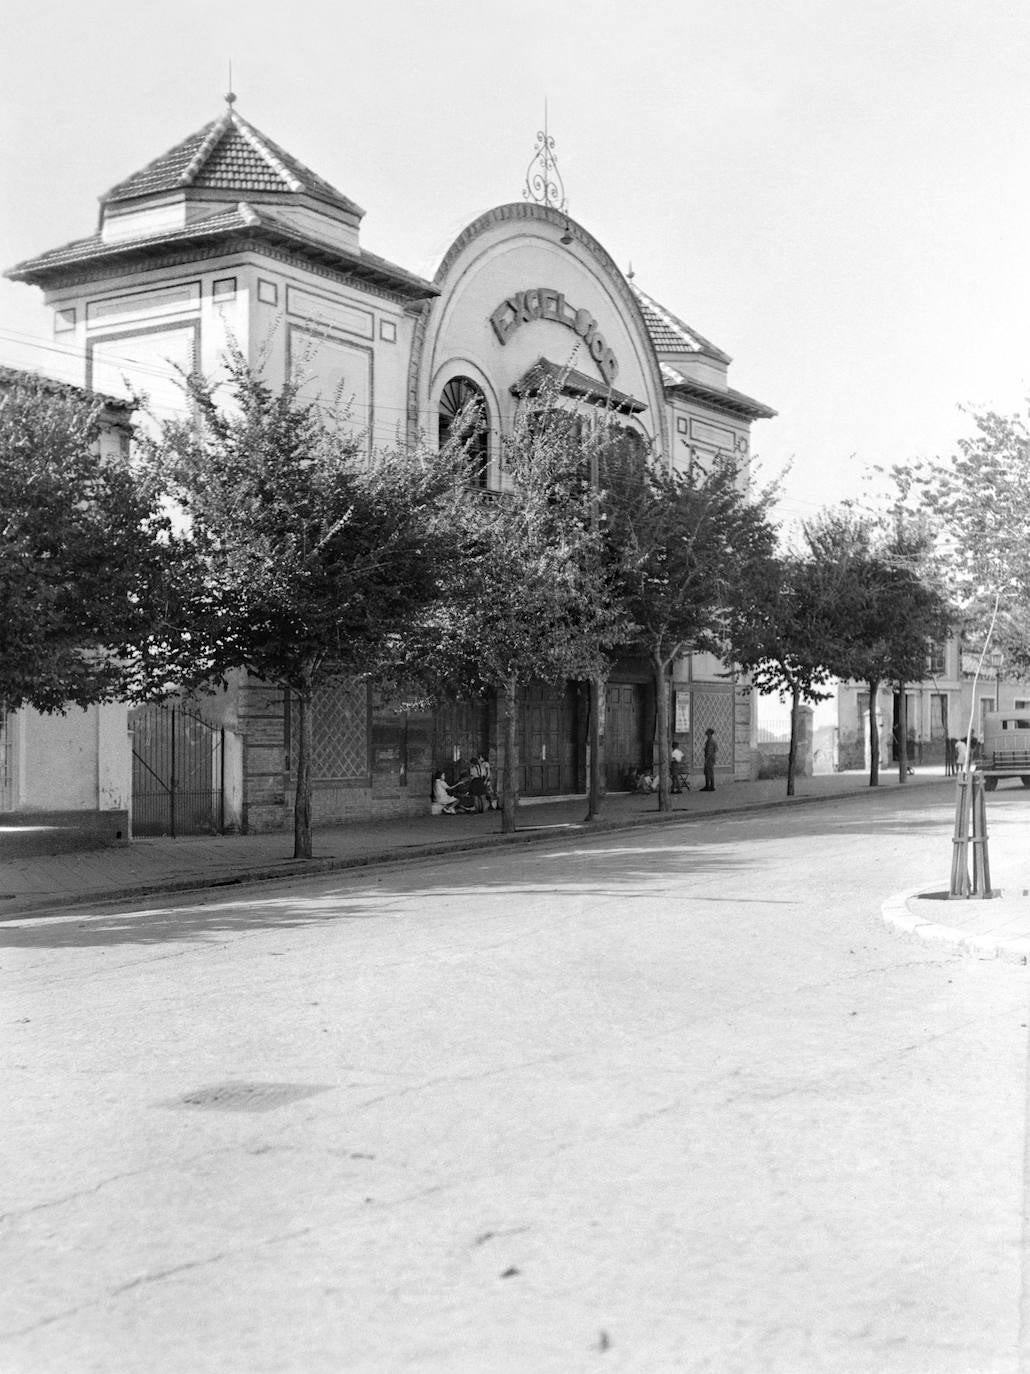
83	547
888	611
691	544
978	507
309	555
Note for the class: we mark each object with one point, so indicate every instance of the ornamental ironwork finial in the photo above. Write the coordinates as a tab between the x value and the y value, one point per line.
544	183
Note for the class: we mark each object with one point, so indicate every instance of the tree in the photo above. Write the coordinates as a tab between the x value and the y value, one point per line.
889	612
978	509
83	551
532	597
310	559
979	506
779	635
688	543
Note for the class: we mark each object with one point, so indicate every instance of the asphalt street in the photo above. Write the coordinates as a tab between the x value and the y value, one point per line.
653	1101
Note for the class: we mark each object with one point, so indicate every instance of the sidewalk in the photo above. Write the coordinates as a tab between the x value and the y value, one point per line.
997	927
148	866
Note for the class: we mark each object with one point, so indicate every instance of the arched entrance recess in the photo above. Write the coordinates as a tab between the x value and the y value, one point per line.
462	401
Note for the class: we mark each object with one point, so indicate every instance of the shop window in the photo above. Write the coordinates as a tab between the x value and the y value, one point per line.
463	414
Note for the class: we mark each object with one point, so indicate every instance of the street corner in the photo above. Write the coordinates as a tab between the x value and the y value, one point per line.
993	928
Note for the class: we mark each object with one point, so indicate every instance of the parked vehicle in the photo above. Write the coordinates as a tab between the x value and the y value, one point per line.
1006	748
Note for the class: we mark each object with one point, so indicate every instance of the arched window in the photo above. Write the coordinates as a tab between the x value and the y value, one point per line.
461	398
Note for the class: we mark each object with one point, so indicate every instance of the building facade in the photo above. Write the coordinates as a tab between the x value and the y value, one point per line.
228	239
936	709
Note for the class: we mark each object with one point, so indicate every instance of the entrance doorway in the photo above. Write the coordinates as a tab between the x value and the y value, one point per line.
547	741
623	731
178	781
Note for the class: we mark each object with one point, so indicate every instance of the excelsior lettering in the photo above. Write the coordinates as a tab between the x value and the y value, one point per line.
544	303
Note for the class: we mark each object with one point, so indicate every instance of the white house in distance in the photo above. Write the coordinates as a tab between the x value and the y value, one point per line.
227	235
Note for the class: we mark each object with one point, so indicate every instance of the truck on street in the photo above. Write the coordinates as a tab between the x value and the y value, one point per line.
1006	748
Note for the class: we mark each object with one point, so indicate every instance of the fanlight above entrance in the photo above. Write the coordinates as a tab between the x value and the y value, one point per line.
461	399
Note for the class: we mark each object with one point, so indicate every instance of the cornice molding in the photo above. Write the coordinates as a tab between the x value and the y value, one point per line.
61	282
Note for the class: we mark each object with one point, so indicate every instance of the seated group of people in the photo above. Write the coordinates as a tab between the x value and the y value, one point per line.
646	779
472	792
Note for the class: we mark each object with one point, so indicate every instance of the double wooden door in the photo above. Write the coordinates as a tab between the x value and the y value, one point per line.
547	741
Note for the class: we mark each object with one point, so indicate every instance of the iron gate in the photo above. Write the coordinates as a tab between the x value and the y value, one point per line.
178	773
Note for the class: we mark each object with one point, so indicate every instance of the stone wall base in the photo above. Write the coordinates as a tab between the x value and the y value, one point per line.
59	832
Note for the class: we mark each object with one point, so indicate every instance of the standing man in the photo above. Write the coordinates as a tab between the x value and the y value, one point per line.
711	753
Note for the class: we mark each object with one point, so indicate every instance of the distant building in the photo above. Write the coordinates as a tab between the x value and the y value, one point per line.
933	714
229	237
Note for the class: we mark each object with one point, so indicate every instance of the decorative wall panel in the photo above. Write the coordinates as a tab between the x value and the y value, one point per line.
339	734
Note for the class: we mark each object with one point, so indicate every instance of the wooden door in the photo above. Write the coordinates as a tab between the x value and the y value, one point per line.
547	744
623	733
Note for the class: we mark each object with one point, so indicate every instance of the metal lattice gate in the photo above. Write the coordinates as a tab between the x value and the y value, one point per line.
178	773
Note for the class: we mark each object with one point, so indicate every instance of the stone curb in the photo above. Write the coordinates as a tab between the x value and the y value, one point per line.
898	916
317	868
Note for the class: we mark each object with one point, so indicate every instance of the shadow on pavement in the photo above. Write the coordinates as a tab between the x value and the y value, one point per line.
385	891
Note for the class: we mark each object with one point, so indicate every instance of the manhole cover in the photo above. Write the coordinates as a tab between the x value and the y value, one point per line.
246	1097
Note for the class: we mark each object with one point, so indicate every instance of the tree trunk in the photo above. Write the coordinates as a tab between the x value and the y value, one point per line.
792	753
302	804
509	787
663	693
874	737
902	734
595	749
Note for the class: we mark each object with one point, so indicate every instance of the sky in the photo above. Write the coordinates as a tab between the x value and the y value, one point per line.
833	192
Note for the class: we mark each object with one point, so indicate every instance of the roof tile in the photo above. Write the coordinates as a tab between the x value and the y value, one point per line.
668	332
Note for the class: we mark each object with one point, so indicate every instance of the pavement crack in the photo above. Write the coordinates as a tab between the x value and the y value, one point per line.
20	1213
155	1276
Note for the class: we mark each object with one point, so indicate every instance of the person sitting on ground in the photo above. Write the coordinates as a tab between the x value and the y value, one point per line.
442	801
647	781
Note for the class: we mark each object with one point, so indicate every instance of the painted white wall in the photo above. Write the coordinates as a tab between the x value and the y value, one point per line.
79	761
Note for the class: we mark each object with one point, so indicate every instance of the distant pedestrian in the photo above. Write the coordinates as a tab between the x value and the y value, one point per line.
960	755
711	754
676	767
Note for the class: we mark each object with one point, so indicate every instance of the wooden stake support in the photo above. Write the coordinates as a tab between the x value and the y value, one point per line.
970	831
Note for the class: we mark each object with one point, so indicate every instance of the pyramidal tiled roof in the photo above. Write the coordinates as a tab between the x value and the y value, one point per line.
228	155
669	334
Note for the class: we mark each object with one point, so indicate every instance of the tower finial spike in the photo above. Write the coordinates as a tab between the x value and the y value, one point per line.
230	96
544	183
